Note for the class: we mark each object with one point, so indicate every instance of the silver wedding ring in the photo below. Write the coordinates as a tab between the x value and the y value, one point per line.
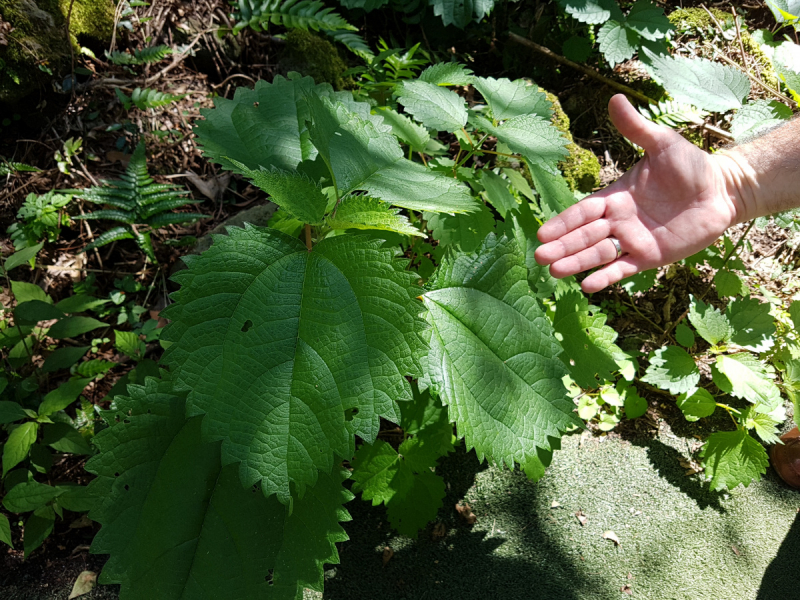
615	241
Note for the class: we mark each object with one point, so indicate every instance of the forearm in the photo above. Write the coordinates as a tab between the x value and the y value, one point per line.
762	177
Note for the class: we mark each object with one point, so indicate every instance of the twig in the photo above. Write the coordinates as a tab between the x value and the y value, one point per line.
177	60
91	236
584	69
739	37
720	133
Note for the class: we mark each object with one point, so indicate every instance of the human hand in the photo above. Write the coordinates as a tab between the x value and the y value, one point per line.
673	203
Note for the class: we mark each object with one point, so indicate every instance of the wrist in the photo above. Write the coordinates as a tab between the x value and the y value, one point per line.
738	183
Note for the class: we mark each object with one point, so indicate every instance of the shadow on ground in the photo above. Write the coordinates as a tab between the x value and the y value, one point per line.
480	562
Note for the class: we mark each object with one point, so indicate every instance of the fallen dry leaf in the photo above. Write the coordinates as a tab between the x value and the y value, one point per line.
212	188
736	551
439	531
388	553
465	512
555	504
626	589
83	584
581	517
610	535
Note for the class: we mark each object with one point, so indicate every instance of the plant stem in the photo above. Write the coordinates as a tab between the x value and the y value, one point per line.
308	237
16	322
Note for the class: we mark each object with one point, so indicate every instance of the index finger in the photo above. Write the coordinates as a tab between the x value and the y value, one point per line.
587	210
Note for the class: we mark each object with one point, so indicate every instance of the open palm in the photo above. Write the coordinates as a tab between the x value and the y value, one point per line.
671	204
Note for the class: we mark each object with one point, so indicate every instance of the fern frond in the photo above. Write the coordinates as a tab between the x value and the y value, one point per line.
144	56
164	206
145	98
152	54
143	239
352	41
112	235
7	168
673	114
137	200
174	219
109	215
296	14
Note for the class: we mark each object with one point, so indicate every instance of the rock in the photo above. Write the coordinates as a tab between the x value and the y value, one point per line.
35	40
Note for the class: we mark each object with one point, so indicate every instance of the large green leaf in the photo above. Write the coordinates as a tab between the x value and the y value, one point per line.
461	12
362	154
554	192
733	457
672	369
404	128
263	127
18	445
178	523
363	212
711	324
589	347
508	99
535	138
648	20
744	376
697	404
291	353
497	193
403	479
757	116
466	232
705	84
786	60
618	43
294	192
592	12
452	73
433	106
494	358
751	324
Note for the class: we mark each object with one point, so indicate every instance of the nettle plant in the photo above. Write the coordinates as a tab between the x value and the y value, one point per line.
289	342
284	348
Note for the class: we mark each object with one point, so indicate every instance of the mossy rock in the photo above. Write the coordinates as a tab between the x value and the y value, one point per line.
698	21
581	168
37	48
316	57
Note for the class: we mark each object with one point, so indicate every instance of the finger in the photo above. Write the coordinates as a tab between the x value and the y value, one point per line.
587	210
601	253
636	128
619	269
573	242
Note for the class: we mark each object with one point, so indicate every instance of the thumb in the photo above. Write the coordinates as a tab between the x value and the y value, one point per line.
630	123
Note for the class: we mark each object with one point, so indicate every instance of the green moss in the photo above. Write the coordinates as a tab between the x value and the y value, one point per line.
581	168
694	136
311	55
697	19
92	18
38	43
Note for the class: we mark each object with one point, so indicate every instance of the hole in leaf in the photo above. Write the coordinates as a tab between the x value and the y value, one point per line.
126	421
247	325
127	487
269	577
350	413
116	474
